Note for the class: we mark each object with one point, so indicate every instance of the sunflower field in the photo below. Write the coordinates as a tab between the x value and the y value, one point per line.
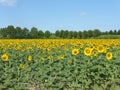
60	64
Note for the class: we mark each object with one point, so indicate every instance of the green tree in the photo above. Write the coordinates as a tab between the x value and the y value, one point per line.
90	33
62	34
79	34
71	34
84	34
110	32
3	32
18	32
66	34
57	33
47	34
119	32
25	33
75	34
96	33
34	32
115	32
11	31
40	34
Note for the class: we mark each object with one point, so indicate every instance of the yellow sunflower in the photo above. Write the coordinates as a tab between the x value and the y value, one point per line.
92	47
4	57
109	55
75	51
50	57
100	48
42	59
94	53
22	66
30	58
87	51
62	56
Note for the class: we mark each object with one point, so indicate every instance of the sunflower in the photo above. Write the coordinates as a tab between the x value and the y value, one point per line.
75	51
62	56
48	49
50	57
4	57
94	53
30	58
87	51
92	47
109	55
22	66
100	48
42	59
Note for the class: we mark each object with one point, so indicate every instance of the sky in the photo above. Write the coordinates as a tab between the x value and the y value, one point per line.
55	15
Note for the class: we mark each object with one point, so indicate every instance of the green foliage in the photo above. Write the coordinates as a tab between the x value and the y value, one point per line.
109	37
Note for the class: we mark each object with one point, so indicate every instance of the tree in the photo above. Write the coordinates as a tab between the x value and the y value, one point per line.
96	33
40	34
66	33
34	32
115	32
18	32
1	36
110	32
90	33
62	34
119	32
3	32
79	34
25	33
84	34
57	33
47	34
71	35
11	31
75	34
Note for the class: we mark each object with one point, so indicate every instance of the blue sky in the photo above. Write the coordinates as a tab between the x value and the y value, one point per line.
55	15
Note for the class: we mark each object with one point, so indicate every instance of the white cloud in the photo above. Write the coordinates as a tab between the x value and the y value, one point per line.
8	2
83	13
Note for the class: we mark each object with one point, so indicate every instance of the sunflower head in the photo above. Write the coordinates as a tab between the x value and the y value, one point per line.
62	56
88	51
109	55
50	57
92	47
42	59
75	51
22	66
94	53
4	57
30	58
100	48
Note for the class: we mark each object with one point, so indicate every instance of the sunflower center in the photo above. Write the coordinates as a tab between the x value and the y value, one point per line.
87	51
109	55
100	48
4	58
75	52
94	52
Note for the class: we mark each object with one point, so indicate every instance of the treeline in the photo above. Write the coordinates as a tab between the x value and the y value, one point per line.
12	32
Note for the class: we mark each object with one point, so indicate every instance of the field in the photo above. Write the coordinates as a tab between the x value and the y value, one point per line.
109	37
64	64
